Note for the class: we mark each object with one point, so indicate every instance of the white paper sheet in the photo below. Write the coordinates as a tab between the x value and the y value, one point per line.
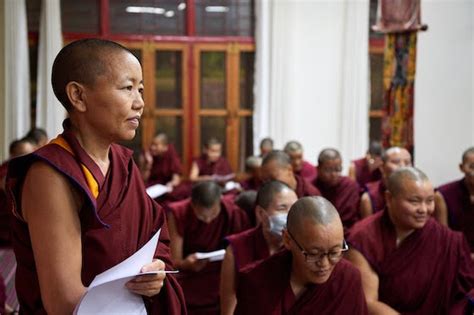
212	256
232	185
157	190
107	293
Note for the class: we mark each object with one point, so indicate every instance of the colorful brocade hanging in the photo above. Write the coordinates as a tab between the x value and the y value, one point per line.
398	82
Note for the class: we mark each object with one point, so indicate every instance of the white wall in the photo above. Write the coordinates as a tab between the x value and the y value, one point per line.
444	102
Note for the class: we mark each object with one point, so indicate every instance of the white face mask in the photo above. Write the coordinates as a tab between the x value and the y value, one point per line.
277	223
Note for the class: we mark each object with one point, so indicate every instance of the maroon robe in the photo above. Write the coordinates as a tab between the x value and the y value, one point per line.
3	297
248	247
305	188
363	173
220	167
308	171
251	183
164	167
162	171
113	226
460	209
345	198
429	273
376	192
5	212
201	289
265	289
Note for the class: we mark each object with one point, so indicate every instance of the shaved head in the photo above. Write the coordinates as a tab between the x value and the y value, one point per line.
466	153
282	159
246	200
267	192
315	209
393	150
38	135
329	154
375	149
206	194
212	141
397	179
82	61
293	146
162	137
253	162
266	142
21	147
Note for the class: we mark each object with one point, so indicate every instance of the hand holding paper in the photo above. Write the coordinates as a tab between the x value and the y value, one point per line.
191	262
108	294
148	284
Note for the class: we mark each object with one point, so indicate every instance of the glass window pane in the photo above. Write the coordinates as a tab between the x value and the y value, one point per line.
135	144
213	127
80	16
168	79
246	140
224	17
376	81
213	79
154	17
375	129
246	75
173	127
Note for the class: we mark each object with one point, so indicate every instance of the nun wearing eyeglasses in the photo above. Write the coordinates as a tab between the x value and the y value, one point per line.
310	276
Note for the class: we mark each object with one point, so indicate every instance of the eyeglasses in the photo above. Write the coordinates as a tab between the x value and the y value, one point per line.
333	256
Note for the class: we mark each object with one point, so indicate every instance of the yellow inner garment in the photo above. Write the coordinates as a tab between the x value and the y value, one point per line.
91	182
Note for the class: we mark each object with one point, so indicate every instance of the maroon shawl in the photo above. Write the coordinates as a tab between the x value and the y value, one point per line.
220	167
265	289
251	183
345	198
3	297
363	173
305	188
248	247
308	171
429	273
5	212
376	191
201	289
460	209
164	166
114	225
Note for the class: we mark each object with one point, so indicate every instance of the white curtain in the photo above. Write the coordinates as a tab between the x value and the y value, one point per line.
49	112
16	119
312	81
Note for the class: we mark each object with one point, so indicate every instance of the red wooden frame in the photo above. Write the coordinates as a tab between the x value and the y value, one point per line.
189	38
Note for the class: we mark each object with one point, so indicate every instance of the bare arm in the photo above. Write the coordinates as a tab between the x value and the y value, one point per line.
227	287
441	209
352	171
176	247
50	207
194	174
365	205
370	284
175	181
